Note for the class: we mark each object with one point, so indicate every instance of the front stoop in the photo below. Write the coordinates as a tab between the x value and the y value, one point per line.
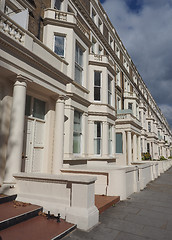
26	221
103	202
38	228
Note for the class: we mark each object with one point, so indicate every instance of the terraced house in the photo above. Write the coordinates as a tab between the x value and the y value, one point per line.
75	114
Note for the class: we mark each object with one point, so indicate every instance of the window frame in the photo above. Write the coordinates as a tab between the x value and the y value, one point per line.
78	133
110	90
79	62
117	143
98	86
64	44
96	138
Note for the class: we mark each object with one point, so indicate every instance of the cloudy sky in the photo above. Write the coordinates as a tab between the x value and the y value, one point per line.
145	28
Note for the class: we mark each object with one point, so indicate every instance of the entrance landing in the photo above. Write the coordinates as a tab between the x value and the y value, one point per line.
103	202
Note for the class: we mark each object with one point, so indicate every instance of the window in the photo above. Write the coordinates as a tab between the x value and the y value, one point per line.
100	50
119	143
99	24
97	86
59	45
148	148
118	77
35	108
140	116
78	64
109	90
110	140
111	41
77	132
149	126
93	15
97	138
118	103
57	4
130	106
93	47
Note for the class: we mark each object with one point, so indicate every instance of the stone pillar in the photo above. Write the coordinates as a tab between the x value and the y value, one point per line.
84	134
129	150
91	138
134	148
15	140
105	140
113	141
68	129
143	144
124	147
58	136
139	149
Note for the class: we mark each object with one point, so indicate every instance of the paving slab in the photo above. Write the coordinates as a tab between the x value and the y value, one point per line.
144	215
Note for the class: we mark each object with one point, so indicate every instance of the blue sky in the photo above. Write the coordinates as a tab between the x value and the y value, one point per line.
145	28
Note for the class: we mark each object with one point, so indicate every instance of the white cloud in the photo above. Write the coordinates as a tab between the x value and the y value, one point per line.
147	36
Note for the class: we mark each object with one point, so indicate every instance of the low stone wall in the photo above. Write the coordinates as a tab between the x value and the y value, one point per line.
122	181
71	196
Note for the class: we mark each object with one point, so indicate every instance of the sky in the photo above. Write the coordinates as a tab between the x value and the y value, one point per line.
145	28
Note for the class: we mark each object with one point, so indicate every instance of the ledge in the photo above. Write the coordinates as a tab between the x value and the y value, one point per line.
55	178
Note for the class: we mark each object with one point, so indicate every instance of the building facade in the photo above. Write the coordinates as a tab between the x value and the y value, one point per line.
70	94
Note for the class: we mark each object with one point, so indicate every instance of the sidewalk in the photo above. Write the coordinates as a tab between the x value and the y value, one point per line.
146	215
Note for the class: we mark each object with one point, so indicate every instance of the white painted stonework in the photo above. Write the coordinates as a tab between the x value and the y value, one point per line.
72	103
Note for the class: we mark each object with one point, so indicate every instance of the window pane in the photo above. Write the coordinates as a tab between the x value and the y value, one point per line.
76	143
28	106
119	143
78	75
130	106
59	45
97	76
77	132
97	146
38	109
96	93
97	138
57	4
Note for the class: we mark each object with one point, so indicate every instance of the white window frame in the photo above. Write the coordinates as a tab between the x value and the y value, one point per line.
64	46
96	86
109	90
78	64
77	132
96	138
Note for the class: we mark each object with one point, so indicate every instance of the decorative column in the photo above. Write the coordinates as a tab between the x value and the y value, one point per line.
15	140
129	148
68	129
134	148
85	134
91	138
58	136
113	141
124	149
105	140
139	149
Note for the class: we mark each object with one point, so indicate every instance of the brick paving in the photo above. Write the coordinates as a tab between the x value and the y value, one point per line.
146	215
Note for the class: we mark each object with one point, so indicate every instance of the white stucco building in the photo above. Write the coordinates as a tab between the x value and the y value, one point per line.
72	103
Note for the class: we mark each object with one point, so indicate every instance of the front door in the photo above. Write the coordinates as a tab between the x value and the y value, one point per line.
33	147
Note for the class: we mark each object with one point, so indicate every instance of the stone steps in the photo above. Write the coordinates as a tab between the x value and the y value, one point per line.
26	221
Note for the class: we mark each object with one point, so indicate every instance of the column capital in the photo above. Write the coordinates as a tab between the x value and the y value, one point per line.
21	78
61	98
